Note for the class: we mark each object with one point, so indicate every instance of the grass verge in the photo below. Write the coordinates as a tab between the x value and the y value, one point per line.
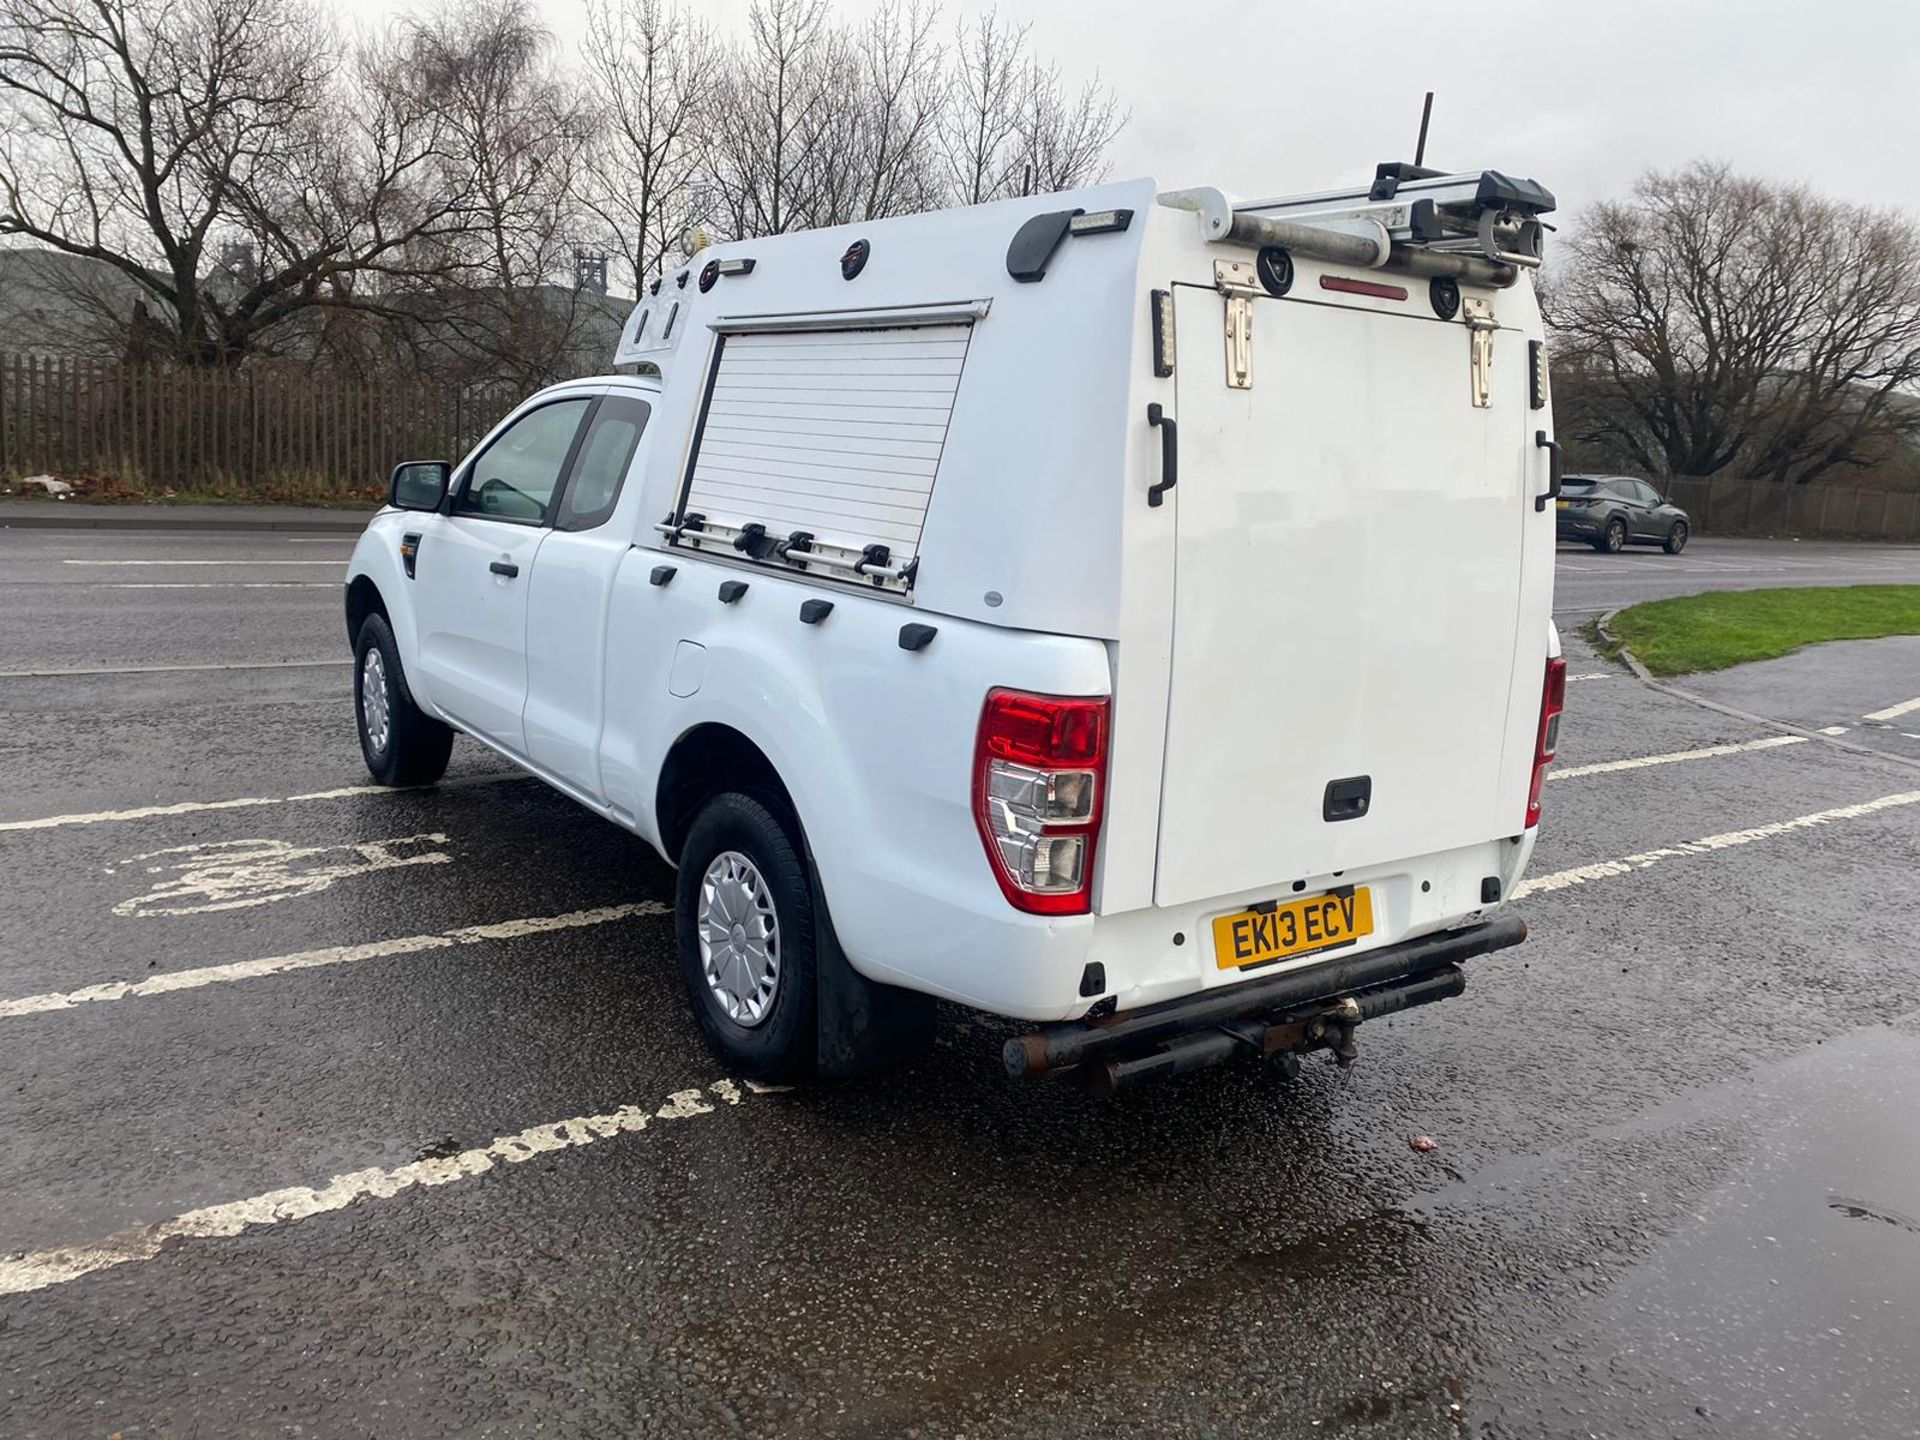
1732	627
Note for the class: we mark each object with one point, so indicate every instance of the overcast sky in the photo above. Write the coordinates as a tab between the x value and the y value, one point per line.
1274	96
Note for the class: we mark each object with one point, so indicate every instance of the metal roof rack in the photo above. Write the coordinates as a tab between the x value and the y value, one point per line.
1478	227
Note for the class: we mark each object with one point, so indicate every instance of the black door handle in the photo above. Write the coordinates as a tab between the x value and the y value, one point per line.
1169	453
504	567
1552	447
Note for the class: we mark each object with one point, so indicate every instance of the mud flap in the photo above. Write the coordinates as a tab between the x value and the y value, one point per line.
863	1025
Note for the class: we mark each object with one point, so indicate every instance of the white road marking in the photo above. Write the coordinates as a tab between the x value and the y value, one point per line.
1710	752
1833	729
194	807
240	874
1582	874
1894	712
1590	675
325	540
41	1269
170	669
314	959
335	564
213	585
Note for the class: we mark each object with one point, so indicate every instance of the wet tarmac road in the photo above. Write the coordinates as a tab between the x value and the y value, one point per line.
1676	1190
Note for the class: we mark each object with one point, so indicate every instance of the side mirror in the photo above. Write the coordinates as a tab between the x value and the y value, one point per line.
419	484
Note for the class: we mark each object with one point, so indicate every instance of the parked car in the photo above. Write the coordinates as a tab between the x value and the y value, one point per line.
1081	608
1611	512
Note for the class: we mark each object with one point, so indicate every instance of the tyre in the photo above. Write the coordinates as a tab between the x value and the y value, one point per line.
1614	538
744	922
1676	538
401	743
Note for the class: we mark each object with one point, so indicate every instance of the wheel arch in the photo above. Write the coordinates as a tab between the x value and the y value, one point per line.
707	760
364	599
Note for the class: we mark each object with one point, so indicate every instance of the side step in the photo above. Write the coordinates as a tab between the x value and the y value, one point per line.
1302	1010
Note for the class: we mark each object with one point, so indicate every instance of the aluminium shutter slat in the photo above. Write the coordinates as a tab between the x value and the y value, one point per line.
839	433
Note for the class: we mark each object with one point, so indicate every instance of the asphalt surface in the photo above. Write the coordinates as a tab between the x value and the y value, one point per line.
1675	1191
1590	583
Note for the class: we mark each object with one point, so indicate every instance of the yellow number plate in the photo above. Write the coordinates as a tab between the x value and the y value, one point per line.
1564	503
1295	928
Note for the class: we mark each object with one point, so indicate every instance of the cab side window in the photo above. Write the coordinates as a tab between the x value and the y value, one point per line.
1648	495
605	456
515	477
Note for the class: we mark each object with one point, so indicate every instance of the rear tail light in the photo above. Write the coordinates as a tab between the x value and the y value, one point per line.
1039	773
1553	700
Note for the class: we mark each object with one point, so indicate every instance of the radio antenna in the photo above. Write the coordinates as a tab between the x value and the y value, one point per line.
1426	114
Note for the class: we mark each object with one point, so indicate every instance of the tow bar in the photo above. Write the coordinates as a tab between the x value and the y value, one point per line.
1278	1018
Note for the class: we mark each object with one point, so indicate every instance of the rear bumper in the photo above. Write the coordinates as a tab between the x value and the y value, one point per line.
1567	528
1308	1009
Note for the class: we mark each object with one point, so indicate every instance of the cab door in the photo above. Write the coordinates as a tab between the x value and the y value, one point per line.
473	569
570	594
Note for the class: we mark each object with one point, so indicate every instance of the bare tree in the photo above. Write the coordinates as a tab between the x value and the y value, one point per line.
771	122
149	136
1011	127
1714	321
650	71
506	304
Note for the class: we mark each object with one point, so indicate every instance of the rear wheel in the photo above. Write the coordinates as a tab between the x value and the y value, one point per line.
401	743
744	921
1677	538
1614	538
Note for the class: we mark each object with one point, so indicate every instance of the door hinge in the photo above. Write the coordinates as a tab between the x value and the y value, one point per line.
1238	283
1480	327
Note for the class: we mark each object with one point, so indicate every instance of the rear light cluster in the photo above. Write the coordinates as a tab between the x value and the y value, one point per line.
1039	781
1553	700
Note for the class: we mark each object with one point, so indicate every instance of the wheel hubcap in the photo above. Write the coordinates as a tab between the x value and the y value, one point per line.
739	938
375	713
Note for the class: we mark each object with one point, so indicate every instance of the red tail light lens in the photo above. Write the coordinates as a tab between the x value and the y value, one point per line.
1039	773
1553	700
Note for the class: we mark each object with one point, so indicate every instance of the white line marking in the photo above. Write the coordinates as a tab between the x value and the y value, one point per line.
327	540
336	564
194	807
41	1269
314	959
1581	874
240	874
1894	712
1590	675
170	669
1833	729
212	585
1771	742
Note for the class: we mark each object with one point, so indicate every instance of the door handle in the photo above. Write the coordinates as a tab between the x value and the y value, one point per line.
1552	447
504	567
1169	454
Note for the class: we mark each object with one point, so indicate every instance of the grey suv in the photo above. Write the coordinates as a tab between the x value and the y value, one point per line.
1610	512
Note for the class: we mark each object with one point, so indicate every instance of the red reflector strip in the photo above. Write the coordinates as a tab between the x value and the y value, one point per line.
1363	287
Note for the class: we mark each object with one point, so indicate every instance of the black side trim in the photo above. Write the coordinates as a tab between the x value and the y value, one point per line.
699	433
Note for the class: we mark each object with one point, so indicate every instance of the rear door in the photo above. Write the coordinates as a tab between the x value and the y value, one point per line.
1347	594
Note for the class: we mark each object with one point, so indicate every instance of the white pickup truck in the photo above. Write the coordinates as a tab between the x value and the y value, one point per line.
1124	611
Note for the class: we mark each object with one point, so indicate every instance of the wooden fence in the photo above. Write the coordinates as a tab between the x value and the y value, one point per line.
1731	505
279	432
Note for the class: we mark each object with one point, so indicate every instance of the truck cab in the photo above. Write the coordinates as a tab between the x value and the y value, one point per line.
1126	612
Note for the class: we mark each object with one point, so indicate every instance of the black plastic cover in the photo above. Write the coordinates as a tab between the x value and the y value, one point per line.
1034	243
812	612
916	637
1529	197
732	590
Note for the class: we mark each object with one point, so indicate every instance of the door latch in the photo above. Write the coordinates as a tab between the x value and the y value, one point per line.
1480	328
1238	283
